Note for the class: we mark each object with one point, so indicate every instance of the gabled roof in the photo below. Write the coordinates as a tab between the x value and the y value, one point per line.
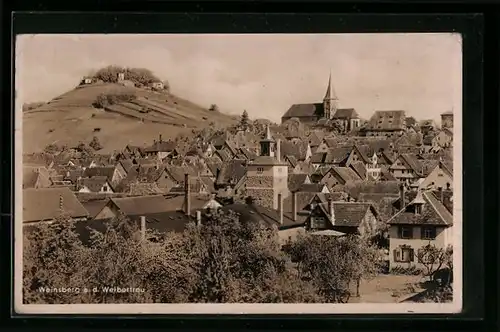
257	214
149	173
387	187
231	172
433	213
304	110
295	181
359	168
141	205
99	171
94	184
298	150
387	121
337	155
178	172
346	113
346	174
312	187
44	204
347	214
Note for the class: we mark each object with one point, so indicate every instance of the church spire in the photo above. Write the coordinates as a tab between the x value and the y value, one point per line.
330	100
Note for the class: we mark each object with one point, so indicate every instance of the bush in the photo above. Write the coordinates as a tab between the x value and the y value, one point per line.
214	108
139	76
407	271
95	144
104	100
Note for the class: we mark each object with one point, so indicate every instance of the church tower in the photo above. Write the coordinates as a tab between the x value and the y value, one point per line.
267	175
330	101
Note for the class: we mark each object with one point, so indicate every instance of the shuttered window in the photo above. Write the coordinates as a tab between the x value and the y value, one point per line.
405	232
404	255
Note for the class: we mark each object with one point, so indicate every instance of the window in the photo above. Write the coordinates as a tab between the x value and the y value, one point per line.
105	188
405	232
318	222
428	233
404	254
260	170
418	208
440	174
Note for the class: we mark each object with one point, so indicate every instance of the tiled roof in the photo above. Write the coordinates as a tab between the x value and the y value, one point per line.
346	113
94	184
143	204
178	172
337	155
387	187
311	187
348	214
94	206
433	213
99	171
295	181
298	150
256	214
387	120
346	174
44	204
359	168
149	173
231	172
428	166
267	160
412	160
304	110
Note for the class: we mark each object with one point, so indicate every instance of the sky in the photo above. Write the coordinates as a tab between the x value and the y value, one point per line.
261	73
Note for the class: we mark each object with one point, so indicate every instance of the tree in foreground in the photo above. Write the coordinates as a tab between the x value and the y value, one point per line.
333	264
433	259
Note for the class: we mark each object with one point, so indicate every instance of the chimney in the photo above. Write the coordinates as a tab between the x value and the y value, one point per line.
331	210
441	191
278	150
187	198
160	139
280	208
294	206
402	196
198	218
143	227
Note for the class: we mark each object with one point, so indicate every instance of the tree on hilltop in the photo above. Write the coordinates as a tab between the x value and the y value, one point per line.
244	121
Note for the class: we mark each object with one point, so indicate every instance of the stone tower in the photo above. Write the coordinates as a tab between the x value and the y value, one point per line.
267	175
447	120
330	101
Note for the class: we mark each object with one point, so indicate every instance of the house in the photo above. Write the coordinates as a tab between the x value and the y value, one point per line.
406	167
157	85
444	138
287	223
114	173
425	220
441	176
86	80
348	119
314	188
386	123
161	149
96	184
312	112
447	120
345	217
46	204
333	157
327	143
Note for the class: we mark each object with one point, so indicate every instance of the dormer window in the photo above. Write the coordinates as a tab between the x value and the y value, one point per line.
418	209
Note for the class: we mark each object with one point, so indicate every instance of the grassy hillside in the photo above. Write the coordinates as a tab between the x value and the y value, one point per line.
71	118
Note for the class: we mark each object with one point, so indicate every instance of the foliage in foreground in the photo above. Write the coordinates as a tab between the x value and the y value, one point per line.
221	260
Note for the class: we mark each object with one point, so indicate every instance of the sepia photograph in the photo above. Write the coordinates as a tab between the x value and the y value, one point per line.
238	173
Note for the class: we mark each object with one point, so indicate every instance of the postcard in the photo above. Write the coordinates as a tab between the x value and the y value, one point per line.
238	173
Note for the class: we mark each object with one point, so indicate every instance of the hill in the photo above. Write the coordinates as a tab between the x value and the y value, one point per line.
71	118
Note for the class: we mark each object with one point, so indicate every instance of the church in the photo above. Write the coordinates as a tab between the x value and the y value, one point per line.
328	109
